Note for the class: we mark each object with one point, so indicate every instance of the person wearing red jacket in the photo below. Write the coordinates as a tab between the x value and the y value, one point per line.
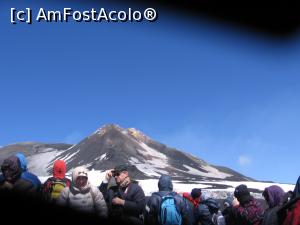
193	197
291	210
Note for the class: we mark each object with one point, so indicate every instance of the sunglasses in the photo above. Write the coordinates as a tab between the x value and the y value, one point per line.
116	174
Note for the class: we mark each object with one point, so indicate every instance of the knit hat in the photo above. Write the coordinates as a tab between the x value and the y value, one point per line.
242	194
196	193
59	169
241	190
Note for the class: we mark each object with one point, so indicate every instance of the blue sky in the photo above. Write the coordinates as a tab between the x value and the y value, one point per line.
222	93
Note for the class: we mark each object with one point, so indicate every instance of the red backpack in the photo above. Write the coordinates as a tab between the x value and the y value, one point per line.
293	215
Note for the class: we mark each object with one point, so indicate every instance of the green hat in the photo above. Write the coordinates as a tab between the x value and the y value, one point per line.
121	168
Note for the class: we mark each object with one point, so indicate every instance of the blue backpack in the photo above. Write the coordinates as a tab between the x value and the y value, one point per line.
169	214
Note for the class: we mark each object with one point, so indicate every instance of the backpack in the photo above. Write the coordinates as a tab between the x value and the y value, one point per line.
55	186
251	213
168	213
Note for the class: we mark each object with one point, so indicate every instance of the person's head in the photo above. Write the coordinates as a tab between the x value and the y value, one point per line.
242	194
11	169
23	161
273	195
196	193
213	205
228	202
59	169
165	183
120	173
80	177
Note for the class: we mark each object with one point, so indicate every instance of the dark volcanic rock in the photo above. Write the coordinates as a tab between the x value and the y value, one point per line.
30	148
112	145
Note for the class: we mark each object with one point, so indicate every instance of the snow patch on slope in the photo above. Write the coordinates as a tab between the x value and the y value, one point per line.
155	164
100	157
146	168
151	185
69	156
38	163
251	184
211	172
155	156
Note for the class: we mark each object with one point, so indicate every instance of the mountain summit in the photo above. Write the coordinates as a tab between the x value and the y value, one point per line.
111	145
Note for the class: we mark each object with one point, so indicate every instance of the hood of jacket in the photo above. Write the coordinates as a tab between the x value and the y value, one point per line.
59	169
165	183
274	195
23	161
80	171
11	169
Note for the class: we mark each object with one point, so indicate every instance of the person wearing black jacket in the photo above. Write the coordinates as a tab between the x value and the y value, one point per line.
206	210
124	197
12	180
228	212
153	205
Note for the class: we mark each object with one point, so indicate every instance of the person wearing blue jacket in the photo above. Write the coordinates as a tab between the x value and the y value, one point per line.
26	175
153	206
11	170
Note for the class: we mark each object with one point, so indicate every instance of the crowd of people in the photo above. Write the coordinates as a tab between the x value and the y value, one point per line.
121	200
